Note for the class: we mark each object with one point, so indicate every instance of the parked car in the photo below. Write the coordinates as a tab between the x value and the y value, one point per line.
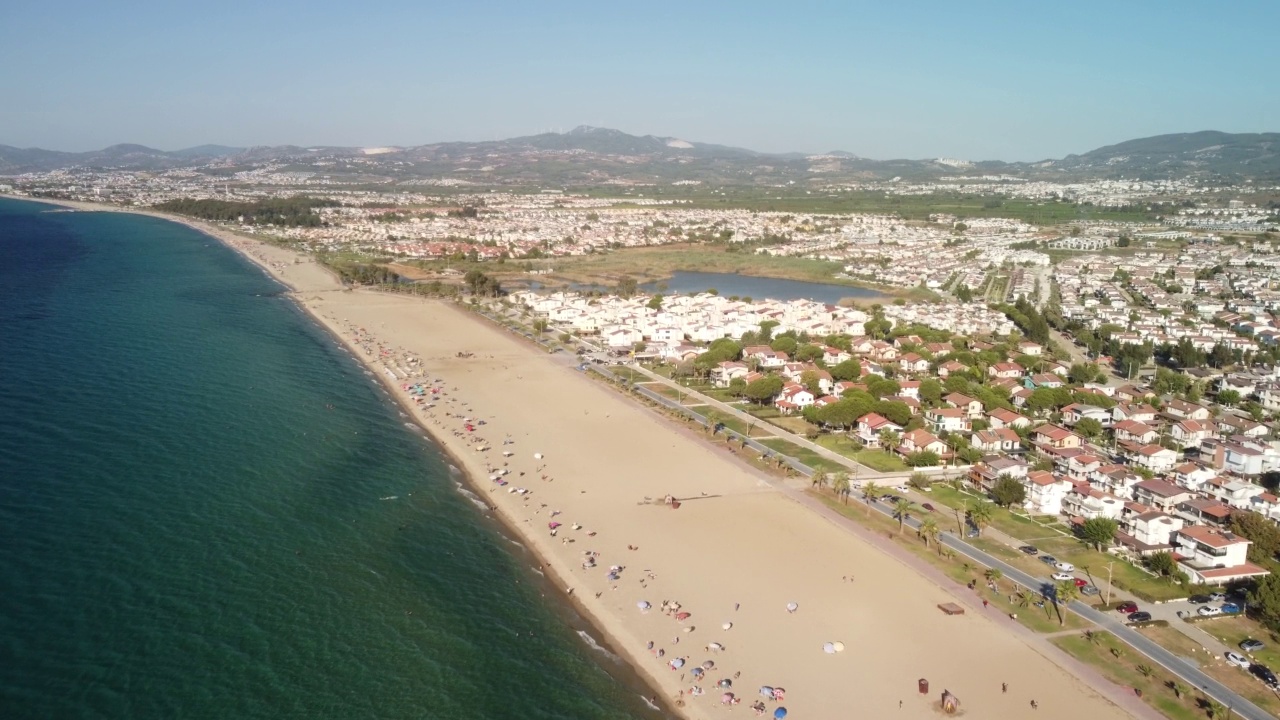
1217	597
1230	609
927	506
1127	607
1081	582
1065	566
1048	560
1030	549
1062	576
1198	599
1090	590
1251	645
1208	610
1236	659
1263	673
1139	617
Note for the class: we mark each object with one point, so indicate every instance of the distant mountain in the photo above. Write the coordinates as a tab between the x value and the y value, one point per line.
590	155
1219	153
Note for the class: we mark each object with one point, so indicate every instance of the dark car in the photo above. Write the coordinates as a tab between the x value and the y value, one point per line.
1127	607
1139	617
1198	599
1048	560
1251	645
927	506
1030	549
1263	673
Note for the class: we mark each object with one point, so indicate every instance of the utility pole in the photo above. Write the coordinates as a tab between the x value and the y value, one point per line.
1110	566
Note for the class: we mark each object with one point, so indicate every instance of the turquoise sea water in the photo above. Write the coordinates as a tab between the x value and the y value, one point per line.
191	512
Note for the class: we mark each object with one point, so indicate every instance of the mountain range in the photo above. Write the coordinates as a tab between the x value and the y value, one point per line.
588	155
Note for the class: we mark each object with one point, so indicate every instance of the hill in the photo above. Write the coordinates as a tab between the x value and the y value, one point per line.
590	156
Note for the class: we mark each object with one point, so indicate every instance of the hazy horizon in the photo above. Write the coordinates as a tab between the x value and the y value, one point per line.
979	81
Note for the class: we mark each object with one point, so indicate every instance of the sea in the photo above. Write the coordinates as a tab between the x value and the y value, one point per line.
208	509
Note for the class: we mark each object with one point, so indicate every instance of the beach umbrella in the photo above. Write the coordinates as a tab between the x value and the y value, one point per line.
553	525
537	456
839	646
766	691
779	713
708	665
697	672
829	648
726	698
677	663
792	607
643	605
727	626
726	683
683	616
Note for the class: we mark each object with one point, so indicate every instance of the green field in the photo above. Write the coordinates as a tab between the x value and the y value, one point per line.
874	459
804	455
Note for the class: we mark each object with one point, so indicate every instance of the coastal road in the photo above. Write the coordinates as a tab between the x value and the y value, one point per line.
1181	668
862	472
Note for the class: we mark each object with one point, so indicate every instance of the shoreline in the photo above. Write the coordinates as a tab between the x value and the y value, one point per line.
883	599
575	613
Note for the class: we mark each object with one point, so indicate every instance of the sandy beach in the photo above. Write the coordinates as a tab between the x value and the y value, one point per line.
738	553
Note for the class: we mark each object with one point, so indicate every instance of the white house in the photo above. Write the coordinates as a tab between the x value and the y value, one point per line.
1214	557
1045	492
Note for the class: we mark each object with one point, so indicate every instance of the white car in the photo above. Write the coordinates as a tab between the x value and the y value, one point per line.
1065	567
1209	610
1218	597
1062	576
1234	658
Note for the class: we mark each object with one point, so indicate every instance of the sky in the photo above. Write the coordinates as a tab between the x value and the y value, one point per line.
970	80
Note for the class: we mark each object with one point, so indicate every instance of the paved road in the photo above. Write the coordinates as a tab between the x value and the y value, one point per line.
862	472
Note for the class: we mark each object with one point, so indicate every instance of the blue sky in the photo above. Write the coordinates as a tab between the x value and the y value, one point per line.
974	80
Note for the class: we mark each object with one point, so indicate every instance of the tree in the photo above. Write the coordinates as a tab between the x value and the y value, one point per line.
980	513
1064	592
840	484
818	479
713	422
1089	428
626	286
870	491
848	370
931	391
809	379
889	439
901	509
920	481
1008	491
784	344
763	390
1264	534
1098	532
655	302
1161	563
994	576
737	387
1264	600
1228	397
929	530
923	458
540	326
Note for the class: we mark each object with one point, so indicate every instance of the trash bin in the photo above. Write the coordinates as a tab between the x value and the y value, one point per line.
924	686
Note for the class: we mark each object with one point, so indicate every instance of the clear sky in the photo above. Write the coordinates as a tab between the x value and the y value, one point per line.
1017	80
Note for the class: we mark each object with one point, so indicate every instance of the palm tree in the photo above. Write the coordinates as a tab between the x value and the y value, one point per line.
980	512
840	483
993	576
1063	593
871	491
713	422
929	530
1179	689
889	439
1146	671
1024	599
818	479
902	508
1094	637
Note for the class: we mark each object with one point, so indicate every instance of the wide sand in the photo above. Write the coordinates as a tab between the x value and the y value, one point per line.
738	550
